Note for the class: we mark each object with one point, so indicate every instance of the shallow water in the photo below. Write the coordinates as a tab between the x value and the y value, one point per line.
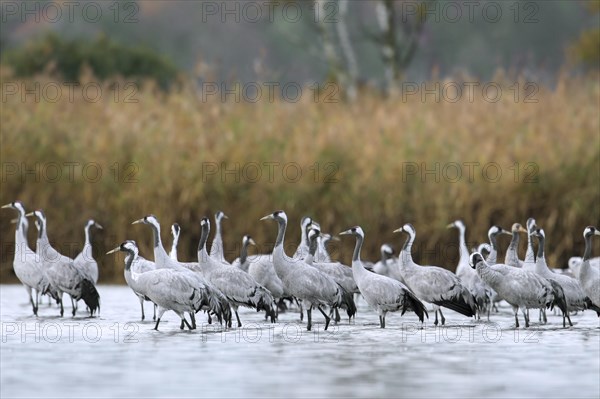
115	355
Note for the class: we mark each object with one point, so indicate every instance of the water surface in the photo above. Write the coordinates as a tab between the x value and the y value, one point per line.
116	355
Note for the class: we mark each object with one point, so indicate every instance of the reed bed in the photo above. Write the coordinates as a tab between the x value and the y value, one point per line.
180	156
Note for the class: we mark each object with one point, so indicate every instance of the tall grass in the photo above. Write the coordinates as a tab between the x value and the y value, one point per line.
165	143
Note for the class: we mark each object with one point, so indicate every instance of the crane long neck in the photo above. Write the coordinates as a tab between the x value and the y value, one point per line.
304	236
42	234
405	254
218	227
156	235
280	233
514	241
408	243
203	237
493	242
530	254
173	252
464	251
312	248
87	235
587	253
129	259
540	252
21	231
384	256
244	252
357	248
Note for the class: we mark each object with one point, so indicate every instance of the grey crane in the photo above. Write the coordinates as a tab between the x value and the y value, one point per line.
575	263
529	262
322	254
433	284
261	268
85	261
135	263
589	277
243	262
574	296
216	303
175	231
63	274
522	289
340	273
169	289
239	287
382	293
27	269
479	289
512	253
493	233
302	249
385	265
304	282
217	250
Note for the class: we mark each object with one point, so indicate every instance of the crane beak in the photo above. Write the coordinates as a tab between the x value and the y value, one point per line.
344	233
400	230
451	225
225	216
506	232
597	233
266	217
251	241
14	221
98	226
112	251
334	238
7	206
29	214
138	221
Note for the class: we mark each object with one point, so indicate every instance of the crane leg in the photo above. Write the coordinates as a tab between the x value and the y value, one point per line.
237	316
142	306
327	318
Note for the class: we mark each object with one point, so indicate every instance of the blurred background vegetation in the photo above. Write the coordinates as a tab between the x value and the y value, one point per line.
154	135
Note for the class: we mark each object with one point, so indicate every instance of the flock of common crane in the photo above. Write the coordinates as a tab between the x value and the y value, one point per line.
310	279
